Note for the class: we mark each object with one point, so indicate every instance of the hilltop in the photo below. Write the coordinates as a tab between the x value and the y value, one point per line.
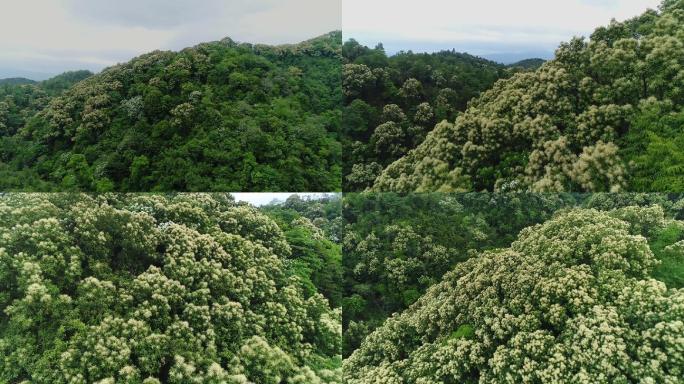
220	115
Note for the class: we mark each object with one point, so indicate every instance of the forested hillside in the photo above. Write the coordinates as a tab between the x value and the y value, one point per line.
528	64
397	246
157	288
391	103
605	115
220	116
313	228
588	295
21	99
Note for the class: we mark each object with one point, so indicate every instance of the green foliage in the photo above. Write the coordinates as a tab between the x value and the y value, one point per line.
16	81
155	288
527	64
397	246
604	115
571	300
464	331
655	144
58	84
312	229
668	247
20	101
391	102
219	116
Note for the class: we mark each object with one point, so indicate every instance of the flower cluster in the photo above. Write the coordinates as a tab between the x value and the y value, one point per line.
571	301
153	288
560	128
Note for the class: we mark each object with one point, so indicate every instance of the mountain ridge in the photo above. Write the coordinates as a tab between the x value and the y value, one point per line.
216	116
16	81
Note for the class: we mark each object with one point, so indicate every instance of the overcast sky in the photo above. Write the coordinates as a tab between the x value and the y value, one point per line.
262	198
504	30
41	38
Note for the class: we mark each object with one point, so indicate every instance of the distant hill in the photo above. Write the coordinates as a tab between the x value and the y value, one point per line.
52	86
16	81
514	57
528	63
64	81
222	115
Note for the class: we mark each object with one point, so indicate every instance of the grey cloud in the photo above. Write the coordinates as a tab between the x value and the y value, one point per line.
161	14
110	30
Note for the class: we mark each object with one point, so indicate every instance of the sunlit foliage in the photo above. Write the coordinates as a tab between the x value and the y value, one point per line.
154	288
572	300
604	115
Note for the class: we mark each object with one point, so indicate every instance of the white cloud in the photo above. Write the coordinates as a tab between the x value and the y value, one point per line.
300	17
56	35
494	24
45	26
157	13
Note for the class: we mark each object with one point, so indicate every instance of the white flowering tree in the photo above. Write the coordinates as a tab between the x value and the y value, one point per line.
572	300
604	115
397	246
391	102
151	289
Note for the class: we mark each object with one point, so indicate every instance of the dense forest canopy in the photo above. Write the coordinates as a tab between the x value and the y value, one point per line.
605	115
313	228
391	103
20	99
220	116
182	288
397	246
575	299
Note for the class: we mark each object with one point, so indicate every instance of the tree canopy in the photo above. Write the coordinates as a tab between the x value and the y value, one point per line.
220	116
313	229
392	102
604	115
397	246
571	300
183	288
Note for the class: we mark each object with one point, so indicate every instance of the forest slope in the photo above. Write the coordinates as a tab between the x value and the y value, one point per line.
605	115
218	116
572	300
145	288
394	250
391	102
397	246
